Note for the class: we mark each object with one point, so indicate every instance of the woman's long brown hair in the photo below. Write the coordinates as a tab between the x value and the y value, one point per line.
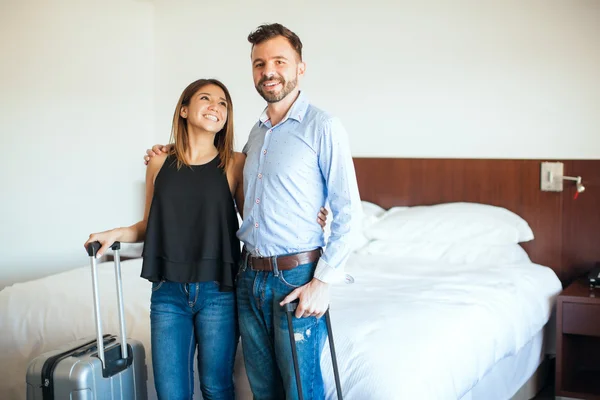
179	132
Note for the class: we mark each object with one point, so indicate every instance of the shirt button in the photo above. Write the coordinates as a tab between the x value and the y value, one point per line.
270	130
257	201
256	224
264	151
259	176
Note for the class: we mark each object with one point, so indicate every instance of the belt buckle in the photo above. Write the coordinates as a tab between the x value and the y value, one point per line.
251	259
268	261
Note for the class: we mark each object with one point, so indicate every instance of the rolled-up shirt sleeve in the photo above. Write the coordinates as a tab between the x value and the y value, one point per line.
337	167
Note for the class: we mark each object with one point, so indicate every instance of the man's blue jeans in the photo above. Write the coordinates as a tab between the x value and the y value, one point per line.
265	336
186	316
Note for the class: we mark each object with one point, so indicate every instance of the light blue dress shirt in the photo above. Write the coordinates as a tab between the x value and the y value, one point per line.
291	170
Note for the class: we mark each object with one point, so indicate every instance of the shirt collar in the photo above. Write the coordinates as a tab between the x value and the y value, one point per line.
297	111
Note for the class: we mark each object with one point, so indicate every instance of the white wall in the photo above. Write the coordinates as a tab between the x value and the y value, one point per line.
87	86
76	114
430	78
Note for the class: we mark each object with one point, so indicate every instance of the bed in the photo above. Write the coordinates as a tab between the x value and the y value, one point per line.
437	302
423	318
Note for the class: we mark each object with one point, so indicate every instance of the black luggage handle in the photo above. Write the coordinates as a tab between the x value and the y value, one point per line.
93	247
289	309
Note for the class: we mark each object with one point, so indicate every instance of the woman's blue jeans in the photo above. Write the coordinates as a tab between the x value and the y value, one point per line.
185	317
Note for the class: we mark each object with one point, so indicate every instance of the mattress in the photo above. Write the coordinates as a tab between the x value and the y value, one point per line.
409	329
505	378
404	329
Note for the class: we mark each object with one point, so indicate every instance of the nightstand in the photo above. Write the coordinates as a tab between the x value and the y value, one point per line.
578	342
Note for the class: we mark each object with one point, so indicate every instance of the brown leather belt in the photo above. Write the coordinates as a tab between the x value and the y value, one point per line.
284	263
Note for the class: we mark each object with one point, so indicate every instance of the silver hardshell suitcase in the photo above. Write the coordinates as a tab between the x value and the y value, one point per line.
81	370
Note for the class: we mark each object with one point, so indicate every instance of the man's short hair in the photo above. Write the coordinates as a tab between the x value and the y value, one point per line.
269	31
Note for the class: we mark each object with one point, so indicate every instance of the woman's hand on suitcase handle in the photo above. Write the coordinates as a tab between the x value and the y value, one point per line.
314	299
155	151
106	239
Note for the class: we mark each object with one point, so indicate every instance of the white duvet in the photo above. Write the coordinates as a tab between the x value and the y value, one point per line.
403	330
413	330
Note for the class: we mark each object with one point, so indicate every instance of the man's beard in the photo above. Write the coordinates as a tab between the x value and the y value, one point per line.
271	97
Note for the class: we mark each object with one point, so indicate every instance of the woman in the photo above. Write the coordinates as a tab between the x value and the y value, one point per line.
191	252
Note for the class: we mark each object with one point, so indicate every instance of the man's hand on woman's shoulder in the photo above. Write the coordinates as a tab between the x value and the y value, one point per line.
156	150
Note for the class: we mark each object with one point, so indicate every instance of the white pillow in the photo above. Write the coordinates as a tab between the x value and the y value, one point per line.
452	253
371	213
451	223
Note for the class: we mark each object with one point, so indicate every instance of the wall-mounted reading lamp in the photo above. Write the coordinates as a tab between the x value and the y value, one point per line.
552	177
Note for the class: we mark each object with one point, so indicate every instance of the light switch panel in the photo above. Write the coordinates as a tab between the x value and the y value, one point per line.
551	176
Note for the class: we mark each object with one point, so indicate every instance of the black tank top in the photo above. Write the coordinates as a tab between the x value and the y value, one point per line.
192	225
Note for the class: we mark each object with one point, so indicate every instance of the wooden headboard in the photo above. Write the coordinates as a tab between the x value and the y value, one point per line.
567	231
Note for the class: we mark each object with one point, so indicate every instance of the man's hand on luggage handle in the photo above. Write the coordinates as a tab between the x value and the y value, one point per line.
314	299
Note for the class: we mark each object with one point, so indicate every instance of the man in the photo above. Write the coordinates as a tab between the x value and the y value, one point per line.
298	157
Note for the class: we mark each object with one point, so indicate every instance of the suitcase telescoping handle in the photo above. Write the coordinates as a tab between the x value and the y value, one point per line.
289	310
92	250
